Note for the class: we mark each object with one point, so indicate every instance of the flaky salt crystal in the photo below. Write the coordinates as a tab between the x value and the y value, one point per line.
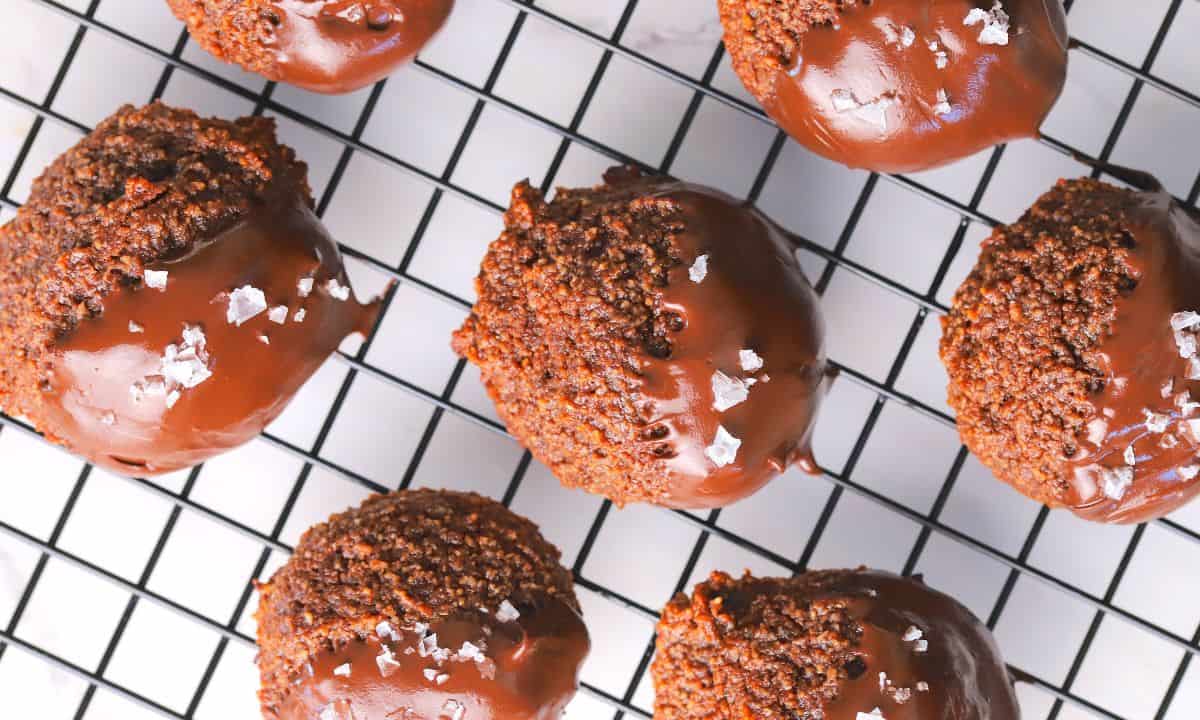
337	290
441	679
305	287
902	695
995	24
912	633
1185	320
172	398
109	418
1191	429
875	714
430	674
1130	456
907	36
1168	442
455	709
1116	481
387	632
387	662
843	100
342	670
699	269
1168	387
244	303
943	104
1097	430
428	645
724	448
1193	369
156	279
921	646
135	328
264	339
470	652
883	681
506	613
941	59
922	686
1186	342
299	315
1189	472
728	391
278	314
750	361
1156	422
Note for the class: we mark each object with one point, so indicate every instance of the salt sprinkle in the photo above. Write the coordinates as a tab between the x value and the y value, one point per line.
264	339
922	686
1193	369
1168	442
941	59
135	328
441	679
875	714
1189	472
342	670
185	365
156	279
430	674
109	418
1186	344
995	24
1168	387
901	695
729	391
843	101
507	613
387	662
455	708
1130	456
1156	422
1116	481
337	710
470	651
943	104
907	36
874	112
724	448
304	287
699	269
387	632
883	681
750	361
172	398
1097	430
1191	428
912	633
1185	320
244	303
921	646
337	290
299	315
278	314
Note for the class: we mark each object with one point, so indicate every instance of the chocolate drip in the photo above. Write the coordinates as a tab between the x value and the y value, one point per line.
522	669
337	46
107	398
755	297
906	85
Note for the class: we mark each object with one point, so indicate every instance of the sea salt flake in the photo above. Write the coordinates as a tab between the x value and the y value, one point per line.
728	391
699	269
305	287
1097	430
902	695
135	328
912	633
941	59
342	670
428	645
156	279
1191	429
109	418
172	398
1116	481
1156	422
750	361
387	662
1193	369
943	104
387	632
507	613
244	303
843	101
299	315
337	290
278	314
1186	342
1168	442
724	448
1189	472
921	646
907	36
455	709
922	686
1130	456
1168	387
1185	320
875	714
337	710
883	681
470	651
430	674
995	24
420	628
264	339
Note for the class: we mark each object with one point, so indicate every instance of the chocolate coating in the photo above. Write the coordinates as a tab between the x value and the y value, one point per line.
217	206
601	352
369	617
828	645
1068	377
327	46
903	85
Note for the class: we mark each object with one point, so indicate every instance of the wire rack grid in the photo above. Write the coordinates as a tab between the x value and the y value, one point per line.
148	616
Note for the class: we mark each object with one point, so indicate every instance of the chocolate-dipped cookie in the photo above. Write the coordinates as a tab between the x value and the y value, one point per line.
832	645
327	46
420	604
1071	350
902	85
166	289
649	340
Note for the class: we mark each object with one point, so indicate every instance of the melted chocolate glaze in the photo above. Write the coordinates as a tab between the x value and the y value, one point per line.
865	93
753	297
338	46
529	672
1145	373
90	405
964	676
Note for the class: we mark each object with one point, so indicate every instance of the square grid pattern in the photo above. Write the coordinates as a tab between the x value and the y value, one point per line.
125	598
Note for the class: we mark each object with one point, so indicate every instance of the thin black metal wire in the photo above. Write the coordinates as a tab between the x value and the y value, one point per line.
702	90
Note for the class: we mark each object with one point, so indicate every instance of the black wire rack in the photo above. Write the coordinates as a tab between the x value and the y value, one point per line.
924	302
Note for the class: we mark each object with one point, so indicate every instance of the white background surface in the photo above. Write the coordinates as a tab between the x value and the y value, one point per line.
393	437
